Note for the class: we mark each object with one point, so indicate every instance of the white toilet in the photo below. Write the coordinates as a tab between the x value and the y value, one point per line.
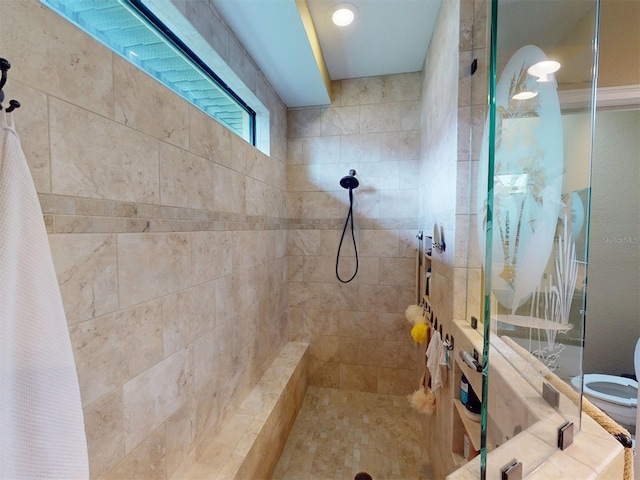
616	396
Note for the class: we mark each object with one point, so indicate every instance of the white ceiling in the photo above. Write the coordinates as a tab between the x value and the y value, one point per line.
388	36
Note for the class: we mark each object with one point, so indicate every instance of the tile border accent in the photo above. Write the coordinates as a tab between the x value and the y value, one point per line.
65	214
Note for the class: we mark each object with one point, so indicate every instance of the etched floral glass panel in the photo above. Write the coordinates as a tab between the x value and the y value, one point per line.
532	220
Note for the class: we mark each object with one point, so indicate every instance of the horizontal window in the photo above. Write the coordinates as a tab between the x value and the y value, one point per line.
132	30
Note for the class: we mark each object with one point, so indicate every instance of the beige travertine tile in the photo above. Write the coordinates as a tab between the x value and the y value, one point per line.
312	321
112	349
259	198
57	204
358	324
397	381
336	92
185	179
393	326
86	270
339	433
208	138
384	117
79	69
230	468
145	105
304	122
236	293
397	271
480	26
411	115
248	249
367	203
379	243
125	209
378	352
208	355
144	409
363	378
322	269
360	147
147	461
378	298
325	348
86	164
73	224
180	431
375	176
394	204
340	121
401	87
294	204
348	349
465	80
151	265
303	242
229	190
294	151
324	374
240	150
400	145
188	315
90	206
338	296
320	150
49	224
33	129
105	433
362	91
312	177
210	257
263	167
320	205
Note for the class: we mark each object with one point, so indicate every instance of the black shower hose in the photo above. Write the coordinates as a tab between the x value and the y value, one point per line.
344	230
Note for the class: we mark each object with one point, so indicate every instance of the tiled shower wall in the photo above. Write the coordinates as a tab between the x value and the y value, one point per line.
359	338
439	163
168	235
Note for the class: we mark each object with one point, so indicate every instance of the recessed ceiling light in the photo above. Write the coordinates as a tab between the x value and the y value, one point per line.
343	14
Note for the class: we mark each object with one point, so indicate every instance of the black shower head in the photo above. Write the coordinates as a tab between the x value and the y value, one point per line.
350	181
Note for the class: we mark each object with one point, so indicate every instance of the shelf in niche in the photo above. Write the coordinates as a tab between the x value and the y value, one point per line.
472	428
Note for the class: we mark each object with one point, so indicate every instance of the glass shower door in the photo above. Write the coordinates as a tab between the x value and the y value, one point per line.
532	220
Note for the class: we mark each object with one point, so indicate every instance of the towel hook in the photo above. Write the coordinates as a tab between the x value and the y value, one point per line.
4	67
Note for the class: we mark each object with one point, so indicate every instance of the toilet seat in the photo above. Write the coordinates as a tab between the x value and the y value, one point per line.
594	383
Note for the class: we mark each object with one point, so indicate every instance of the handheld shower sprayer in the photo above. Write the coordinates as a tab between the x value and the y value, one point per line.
350	182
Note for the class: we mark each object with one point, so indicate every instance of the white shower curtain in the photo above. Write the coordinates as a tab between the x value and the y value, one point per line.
41	423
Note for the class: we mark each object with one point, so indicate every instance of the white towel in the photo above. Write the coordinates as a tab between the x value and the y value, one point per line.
434	354
41	423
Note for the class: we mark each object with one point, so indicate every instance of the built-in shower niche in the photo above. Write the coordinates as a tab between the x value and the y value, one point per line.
514	405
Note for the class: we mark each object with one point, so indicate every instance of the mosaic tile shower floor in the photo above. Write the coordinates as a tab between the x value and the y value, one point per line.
339	433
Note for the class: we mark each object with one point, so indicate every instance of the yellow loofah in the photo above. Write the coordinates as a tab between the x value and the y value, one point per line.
419	333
